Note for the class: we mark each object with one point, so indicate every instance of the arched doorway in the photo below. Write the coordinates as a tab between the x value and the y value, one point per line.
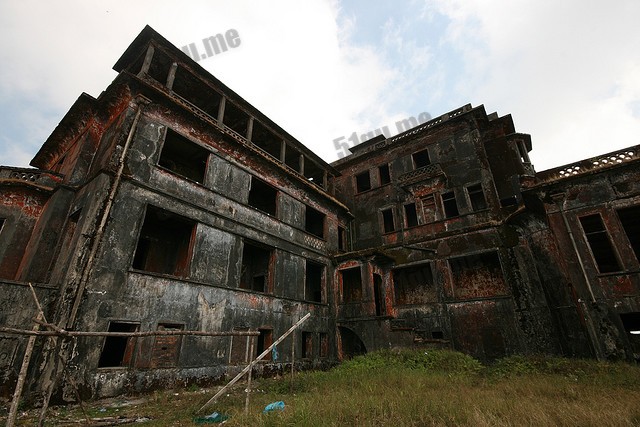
351	344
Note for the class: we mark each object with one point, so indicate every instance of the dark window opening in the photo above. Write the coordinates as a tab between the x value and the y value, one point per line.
314	173
159	67
384	174
342	238
509	201
437	335
265	339
236	119
307	345
164	245
630	220
428	208
351	285
600	244
411	215
324	345
450	205
378	295
631	324
363	182
263	197
196	92
292	158
183	157
522	151
166	348
118	351
414	285
476	196
313	281
478	276
421	159
266	140
256	267
388	224
314	222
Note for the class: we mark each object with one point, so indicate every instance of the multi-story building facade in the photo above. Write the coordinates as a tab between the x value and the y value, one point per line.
170	203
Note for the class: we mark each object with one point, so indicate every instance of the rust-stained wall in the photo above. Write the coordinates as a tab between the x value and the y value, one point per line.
494	262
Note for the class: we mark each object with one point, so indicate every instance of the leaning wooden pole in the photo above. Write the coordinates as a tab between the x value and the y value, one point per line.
246	402
256	360
13	411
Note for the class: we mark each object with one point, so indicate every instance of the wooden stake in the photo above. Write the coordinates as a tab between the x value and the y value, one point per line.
13	411
246	402
256	360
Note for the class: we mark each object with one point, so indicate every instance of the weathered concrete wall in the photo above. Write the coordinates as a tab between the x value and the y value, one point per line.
18	311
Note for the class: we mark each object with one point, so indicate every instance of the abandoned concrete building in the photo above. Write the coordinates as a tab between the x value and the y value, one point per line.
170	203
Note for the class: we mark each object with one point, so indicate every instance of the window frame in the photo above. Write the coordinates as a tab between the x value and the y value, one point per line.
383	220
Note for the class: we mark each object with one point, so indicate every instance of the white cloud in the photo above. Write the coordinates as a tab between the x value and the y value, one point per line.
568	72
565	70
293	62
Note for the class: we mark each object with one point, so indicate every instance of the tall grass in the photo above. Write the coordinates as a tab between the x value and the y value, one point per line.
426	388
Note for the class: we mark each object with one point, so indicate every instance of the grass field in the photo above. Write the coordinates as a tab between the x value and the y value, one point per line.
404	388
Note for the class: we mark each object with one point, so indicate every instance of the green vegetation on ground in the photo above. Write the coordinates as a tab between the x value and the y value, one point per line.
412	388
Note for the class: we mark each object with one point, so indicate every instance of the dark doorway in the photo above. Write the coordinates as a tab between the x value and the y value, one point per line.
352	345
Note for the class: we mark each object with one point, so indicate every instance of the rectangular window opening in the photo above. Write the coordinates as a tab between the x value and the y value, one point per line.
600	243
363	182
236	119
314	222
313	281
342	239
264	341
384	174
478	276
450	205
307	345
411	215
351	285
266	140
183	157
414	285
263	197
166	348
164	245
437	335
421	159
388	225
118	351
324	345
428	208
630	220
256	267
476	197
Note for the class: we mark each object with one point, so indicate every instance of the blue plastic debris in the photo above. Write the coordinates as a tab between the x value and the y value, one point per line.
213	418
274	354
275	406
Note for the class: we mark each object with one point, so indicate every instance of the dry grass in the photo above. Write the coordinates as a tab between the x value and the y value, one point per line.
412	389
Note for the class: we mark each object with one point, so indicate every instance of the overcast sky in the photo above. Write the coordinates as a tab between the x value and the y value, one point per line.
568	71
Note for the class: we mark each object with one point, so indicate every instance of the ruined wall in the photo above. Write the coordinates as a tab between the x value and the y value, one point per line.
12	347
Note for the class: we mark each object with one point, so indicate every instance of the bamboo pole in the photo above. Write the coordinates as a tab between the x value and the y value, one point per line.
256	360
13	411
246	402
293	359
